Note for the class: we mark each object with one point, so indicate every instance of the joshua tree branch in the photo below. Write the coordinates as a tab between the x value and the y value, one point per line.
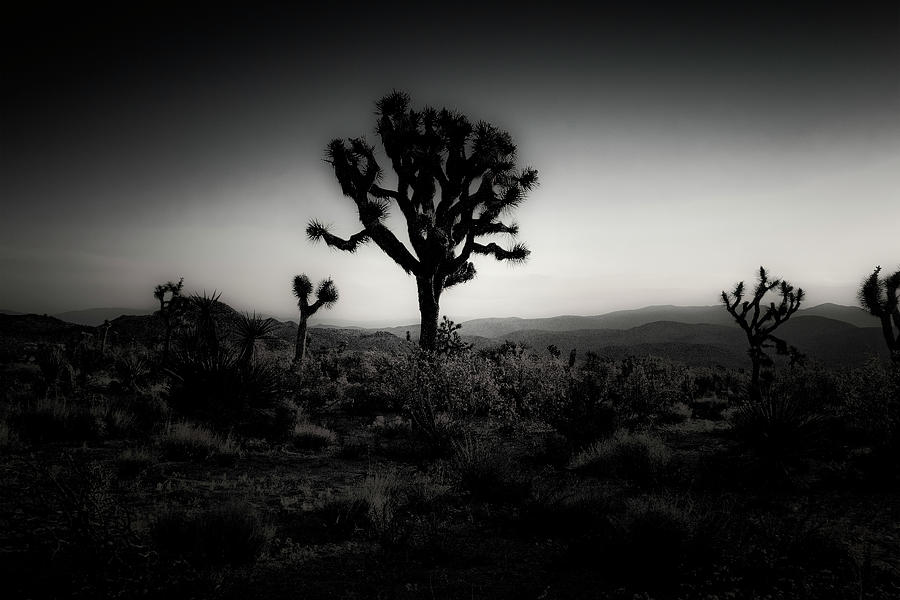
316	231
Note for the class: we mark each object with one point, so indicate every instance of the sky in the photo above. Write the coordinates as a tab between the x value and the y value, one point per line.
678	149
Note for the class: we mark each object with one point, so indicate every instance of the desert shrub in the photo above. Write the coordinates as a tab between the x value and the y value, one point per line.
8	438
232	534
583	417
381	493
149	408
487	474
719	382
527	385
646	388
369	381
781	431
654	535
569	514
432	395
272	423
319	383
459	385
87	359
131	369
221	389
369	506
56	370
132	462
396	427
308	436
677	412
639	456
85	546
57	420
871	401
186	441
710	408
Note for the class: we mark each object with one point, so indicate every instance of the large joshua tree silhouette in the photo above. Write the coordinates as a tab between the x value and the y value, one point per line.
455	179
326	295
759	323
879	297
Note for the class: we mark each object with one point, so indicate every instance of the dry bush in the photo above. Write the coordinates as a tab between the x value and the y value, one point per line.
232	534
308	436
642	457
486	472
187	441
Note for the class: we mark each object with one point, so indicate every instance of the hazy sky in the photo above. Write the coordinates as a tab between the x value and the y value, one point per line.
678	150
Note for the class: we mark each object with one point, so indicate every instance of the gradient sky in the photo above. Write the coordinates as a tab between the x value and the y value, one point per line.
678	150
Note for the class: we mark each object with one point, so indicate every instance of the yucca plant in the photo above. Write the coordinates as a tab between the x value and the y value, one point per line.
326	296
250	327
132	369
205	333
58	373
879	296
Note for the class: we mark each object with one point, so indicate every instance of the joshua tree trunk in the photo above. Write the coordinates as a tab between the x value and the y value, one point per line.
300	349
893	343
756	360
429	307
168	340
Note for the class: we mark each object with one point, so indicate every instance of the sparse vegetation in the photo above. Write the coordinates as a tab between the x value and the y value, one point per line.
308	436
186	441
226	471
640	456
231	535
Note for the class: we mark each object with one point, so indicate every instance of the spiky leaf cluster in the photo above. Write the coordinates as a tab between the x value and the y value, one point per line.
455	181
249	328
879	296
326	294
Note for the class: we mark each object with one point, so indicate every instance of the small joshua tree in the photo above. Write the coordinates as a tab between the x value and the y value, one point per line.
169	296
326	295
759	323
879	297
448	340
455	180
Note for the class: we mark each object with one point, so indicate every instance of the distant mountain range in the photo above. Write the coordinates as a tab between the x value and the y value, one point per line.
696	335
90	316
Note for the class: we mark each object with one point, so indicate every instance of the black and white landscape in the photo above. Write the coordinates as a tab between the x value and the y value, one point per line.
465	301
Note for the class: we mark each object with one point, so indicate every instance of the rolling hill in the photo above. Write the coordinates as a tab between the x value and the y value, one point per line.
696	335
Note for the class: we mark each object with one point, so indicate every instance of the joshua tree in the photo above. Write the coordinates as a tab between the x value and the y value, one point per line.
879	297
169	296
249	328
759	325
454	181
326	295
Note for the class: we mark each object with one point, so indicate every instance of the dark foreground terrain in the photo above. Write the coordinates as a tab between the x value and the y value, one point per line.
509	472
